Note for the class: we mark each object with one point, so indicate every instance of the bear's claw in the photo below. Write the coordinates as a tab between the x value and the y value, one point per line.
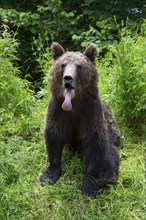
50	176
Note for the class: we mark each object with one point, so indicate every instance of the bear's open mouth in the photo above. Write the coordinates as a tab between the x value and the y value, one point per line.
69	94
68	86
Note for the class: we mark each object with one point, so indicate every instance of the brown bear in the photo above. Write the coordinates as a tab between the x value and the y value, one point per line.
76	116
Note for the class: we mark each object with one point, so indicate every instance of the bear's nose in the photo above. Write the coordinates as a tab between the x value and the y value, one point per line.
68	79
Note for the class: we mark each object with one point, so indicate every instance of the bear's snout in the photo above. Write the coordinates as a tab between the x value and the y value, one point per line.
68	81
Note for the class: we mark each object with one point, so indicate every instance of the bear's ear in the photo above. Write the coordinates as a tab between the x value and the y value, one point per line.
91	52
57	50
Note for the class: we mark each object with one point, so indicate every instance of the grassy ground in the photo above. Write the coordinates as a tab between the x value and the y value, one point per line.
22	196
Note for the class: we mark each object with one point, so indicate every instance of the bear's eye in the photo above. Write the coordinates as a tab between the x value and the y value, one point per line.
79	67
62	65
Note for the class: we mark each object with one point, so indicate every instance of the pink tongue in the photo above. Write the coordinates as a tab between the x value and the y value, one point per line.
67	106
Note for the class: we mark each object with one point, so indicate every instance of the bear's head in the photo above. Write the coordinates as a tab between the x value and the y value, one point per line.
74	74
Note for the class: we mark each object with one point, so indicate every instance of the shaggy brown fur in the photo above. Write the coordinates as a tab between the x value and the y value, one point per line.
77	116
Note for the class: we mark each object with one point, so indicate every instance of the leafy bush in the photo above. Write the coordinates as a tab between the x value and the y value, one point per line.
18	107
72	23
123	78
15	95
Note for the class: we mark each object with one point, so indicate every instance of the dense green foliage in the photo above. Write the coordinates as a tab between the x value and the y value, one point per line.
13	92
72	23
17	102
123	70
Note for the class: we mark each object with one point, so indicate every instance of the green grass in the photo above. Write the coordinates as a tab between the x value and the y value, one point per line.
23	197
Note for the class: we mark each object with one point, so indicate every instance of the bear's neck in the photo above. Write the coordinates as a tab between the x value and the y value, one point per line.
87	100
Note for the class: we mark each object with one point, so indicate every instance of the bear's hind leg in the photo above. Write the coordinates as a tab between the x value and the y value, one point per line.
110	167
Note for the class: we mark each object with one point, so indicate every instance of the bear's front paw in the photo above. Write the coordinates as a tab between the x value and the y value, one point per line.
90	187
50	176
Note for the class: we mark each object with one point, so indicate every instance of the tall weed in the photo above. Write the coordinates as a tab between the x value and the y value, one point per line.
15	95
43	57
18	107
123	79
